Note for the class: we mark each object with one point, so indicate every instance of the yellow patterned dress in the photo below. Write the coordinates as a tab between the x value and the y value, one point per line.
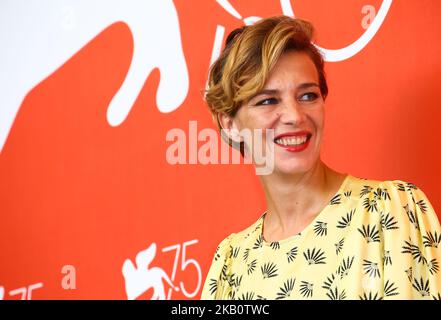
373	240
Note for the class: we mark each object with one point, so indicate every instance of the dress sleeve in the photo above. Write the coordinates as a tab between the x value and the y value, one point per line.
412	249
213	287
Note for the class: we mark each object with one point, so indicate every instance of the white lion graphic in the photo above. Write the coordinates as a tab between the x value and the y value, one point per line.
37	37
140	278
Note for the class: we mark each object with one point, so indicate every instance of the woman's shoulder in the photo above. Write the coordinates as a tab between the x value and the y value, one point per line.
223	258
397	199
384	189
237	239
358	181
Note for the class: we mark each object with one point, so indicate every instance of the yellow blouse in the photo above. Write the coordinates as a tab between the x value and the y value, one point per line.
373	240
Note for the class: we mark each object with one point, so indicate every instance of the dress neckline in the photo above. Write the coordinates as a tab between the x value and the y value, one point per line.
320	215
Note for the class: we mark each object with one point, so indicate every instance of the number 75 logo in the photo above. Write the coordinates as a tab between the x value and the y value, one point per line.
142	277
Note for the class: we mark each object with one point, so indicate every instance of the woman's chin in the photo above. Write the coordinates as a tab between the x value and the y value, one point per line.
294	166
292	169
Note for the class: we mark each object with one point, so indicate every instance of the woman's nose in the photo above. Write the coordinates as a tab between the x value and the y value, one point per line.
291	112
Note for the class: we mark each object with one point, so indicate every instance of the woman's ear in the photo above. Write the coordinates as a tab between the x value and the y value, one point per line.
229	127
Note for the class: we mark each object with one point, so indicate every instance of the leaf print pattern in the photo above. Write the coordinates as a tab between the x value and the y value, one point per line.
370	205
400	186
381	194
408	186
413	220
237	281
371	268
371	296
216	254
388	222
421	286
344	267
328	282
422	205
376	240
320	228
259	242
234	252
246	253
247	296
370	234
366	190
335	200
275	245
436	297
213	286
348	193
269	270
390	289
433	266
314	256
233	280
224	275
346	221
339	246
286	289
414	250
387	260
432	240
306	289
409	273
336	295
291	254
251	266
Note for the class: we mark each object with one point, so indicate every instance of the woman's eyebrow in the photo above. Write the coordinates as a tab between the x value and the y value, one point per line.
265	92
270	92
307	85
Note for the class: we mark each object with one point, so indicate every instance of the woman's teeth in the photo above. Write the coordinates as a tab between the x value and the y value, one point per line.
293	141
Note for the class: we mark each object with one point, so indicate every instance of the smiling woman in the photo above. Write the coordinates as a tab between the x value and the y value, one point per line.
325	234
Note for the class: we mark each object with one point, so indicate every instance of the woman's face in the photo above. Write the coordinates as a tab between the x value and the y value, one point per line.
292	105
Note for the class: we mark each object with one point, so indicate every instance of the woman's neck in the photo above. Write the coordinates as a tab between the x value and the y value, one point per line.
294	201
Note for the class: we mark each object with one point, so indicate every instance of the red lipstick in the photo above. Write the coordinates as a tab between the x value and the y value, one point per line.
294	148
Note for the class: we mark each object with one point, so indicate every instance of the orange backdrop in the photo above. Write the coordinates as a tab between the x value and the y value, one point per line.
76	191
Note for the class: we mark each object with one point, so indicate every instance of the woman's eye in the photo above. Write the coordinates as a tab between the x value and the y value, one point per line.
266	101
310	96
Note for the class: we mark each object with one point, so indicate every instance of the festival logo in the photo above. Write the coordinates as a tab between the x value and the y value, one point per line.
142	276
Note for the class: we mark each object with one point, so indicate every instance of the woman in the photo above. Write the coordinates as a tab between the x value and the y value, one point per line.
324	235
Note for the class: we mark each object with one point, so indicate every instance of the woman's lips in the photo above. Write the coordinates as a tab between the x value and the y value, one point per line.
296	148
293	142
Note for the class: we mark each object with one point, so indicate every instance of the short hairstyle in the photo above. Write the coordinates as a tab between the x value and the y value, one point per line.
249	55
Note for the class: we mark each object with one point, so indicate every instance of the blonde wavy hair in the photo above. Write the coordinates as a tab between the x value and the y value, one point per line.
249	55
